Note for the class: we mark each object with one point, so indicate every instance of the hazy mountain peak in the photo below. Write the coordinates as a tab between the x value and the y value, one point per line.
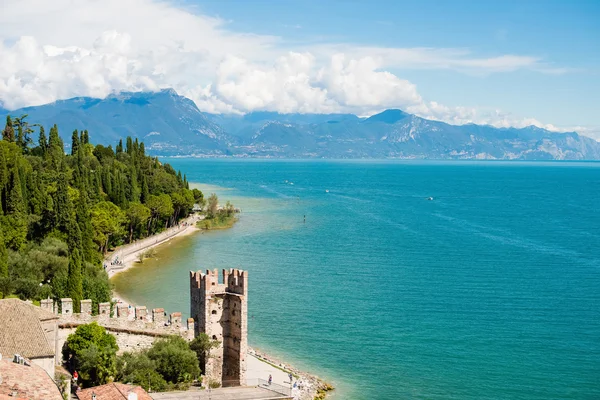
388	116
171	124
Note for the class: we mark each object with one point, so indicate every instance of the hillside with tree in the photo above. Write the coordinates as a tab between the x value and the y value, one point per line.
60	213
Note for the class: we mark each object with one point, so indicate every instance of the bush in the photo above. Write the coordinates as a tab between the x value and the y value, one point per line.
174	360
140	370
92	352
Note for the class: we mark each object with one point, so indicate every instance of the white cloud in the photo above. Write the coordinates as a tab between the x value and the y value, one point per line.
99	47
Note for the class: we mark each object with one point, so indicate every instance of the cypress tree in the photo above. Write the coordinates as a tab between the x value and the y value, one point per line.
20	134
185	182
129	145
9	132
142	149
3	257
3	178
144	194
74	142
85	226
14	201
119	146
43	142
86	137
62	205
75	279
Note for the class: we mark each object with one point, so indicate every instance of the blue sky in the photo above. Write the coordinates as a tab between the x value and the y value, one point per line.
565	34
504	63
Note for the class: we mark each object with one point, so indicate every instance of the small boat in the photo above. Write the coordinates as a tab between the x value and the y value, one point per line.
291	183
326	190
430	198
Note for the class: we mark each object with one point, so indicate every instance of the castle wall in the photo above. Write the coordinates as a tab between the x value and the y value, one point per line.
133	328
220	311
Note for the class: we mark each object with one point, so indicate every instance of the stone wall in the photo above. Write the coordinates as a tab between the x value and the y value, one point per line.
221	311
133	327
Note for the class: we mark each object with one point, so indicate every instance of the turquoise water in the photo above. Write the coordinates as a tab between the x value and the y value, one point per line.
491	290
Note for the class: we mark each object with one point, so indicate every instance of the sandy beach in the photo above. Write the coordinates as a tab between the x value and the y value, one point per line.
125	257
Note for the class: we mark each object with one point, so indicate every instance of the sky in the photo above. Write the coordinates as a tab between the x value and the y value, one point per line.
503	63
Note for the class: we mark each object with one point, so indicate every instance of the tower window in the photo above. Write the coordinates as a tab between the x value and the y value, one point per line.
214	312
214	337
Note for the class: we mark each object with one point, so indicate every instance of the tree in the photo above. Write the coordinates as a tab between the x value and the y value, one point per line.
74	280
213	205
144	195
107	220
137	216
174	360
161	208
43	142
138	369
85	225
62	203
74	142
198	197
8	133
92	352
14	201
3	265
202	345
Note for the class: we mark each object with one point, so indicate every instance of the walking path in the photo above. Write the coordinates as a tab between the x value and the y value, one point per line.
123	257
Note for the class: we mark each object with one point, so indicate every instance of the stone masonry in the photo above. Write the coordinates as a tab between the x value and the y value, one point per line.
220	309
133	327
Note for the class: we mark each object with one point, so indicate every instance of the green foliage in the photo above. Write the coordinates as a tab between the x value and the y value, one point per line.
212	206
8	133
198	196
169	364
202	345
139	369
174	360
107	221
59	213
92	352
137	217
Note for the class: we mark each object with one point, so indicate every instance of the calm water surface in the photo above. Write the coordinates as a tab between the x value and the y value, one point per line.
491	290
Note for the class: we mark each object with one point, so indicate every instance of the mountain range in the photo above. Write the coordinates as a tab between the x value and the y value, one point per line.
172	125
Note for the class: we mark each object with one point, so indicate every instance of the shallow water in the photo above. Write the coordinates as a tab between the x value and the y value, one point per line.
491	290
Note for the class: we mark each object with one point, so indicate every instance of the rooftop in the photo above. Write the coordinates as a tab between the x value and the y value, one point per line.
21	331
113	391
28	381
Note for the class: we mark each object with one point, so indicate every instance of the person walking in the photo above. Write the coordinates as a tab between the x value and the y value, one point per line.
291	377
270	379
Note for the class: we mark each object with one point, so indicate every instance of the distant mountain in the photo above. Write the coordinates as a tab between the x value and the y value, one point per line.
166	122
170	124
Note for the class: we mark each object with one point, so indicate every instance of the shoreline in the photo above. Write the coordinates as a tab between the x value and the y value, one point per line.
128	255
309	386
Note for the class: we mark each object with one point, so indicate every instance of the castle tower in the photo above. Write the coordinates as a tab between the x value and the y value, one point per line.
220	309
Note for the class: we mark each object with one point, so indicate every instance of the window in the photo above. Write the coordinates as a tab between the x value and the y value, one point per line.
214	312
214	337
233	313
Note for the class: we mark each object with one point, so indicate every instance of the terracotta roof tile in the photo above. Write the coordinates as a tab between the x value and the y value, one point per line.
29	381
113	391
21	331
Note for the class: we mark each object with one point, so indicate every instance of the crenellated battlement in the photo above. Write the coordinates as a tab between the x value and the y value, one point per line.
219	308
134	327
231	281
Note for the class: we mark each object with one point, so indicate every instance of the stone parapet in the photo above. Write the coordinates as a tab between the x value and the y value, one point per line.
125	319
86	307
